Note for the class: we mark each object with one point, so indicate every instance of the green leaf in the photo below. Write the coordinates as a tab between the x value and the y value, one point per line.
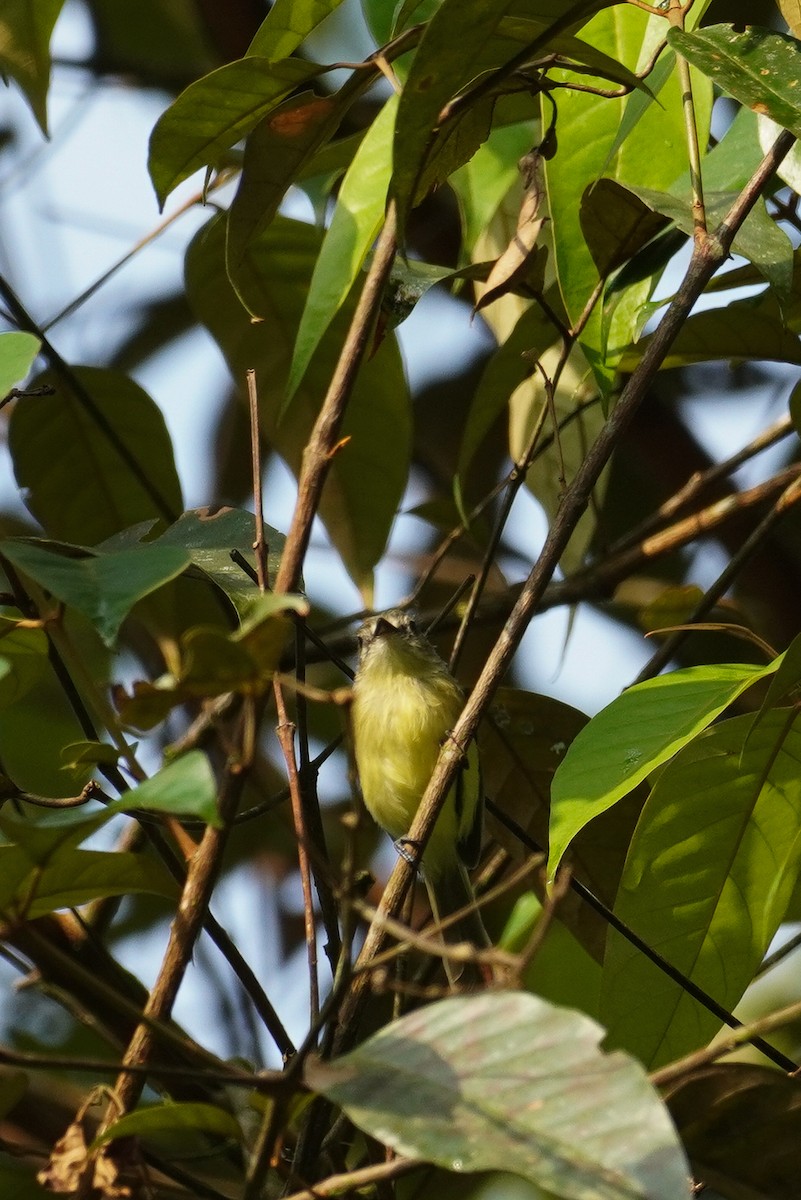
25	49
509	1082
19	1180
758	67
94	458
17	354
287	25
213	662
368	474
104	587
357	218
210	535
755	327
23	656
632	736
163	1118
759	239
184	788
215	112
708	878
75	877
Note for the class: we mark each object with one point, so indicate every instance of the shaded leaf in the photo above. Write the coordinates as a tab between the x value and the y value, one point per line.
616	224
23	660
752	328
25	49
17	354
709	875
161	1118
212	662
741	1127
760	68
276	151
81	483
209	535
632	736
509	1082
368	474
103	587
75	877
214	113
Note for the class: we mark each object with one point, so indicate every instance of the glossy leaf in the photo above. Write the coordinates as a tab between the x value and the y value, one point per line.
287	25
509	1082
759	67
632	736
356	220
17	354
25	49
484	180
368	474
95	457
185	787
166	1118
708	878
103	587
213	114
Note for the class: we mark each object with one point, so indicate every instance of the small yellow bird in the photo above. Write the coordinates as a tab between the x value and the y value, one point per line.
405	703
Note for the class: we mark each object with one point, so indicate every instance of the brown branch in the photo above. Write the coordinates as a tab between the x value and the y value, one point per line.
317	455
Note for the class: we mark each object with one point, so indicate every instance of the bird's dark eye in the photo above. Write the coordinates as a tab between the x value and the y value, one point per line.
411	625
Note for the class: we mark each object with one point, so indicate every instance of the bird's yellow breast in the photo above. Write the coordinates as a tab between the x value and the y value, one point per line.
402	712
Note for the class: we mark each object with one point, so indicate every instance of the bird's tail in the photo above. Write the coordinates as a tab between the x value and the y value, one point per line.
448	893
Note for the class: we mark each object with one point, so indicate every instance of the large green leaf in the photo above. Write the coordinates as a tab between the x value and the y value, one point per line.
760	68
94	458
25	31
707	881
17	352
368	475
632	736
103	587
213	114
287	24
356	220
484	180
505	1081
